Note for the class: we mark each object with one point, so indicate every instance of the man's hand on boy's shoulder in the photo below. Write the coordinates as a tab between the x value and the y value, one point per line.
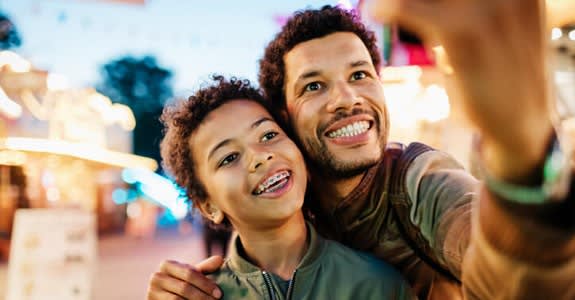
175	280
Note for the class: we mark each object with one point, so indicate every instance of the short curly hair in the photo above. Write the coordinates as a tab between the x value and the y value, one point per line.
303	26
182	118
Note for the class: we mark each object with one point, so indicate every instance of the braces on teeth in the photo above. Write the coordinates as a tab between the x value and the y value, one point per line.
272	180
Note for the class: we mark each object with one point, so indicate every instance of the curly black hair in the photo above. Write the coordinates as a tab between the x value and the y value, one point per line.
182	118
303	26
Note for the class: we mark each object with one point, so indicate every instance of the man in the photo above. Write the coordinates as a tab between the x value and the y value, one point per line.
322	69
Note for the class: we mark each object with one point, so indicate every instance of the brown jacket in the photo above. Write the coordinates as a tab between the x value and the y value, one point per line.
441	199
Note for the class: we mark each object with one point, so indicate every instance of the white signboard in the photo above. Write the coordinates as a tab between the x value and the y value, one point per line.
52	255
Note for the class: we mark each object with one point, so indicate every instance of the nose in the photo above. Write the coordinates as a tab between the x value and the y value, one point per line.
343	97
260	158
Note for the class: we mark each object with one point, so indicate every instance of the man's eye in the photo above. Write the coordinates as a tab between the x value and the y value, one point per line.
313	86
358	75
269	135
228	159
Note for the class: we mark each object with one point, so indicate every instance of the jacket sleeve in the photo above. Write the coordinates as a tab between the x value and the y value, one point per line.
521	251
514	251
441	192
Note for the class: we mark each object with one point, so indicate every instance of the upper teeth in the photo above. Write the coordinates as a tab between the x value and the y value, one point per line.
350	130
270	181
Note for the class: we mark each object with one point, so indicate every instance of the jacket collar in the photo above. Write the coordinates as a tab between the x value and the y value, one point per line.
240	265
362	190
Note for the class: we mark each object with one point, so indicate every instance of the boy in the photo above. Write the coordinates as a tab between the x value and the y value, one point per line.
241	169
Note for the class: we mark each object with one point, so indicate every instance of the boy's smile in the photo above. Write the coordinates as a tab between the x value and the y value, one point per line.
245	160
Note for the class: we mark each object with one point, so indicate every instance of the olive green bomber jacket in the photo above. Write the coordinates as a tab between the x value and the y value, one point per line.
328	270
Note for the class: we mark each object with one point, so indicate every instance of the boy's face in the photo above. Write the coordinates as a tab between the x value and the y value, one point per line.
251	170
335	102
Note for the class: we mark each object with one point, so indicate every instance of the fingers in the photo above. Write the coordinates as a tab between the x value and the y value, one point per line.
166	287
183	280
161	295
415	15
210	265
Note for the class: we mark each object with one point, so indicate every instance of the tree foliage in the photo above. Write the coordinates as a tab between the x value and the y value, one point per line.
144	86
9	35
139	83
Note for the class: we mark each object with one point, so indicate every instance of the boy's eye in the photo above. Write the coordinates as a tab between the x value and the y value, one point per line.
313	86
358	75
269	135
228	159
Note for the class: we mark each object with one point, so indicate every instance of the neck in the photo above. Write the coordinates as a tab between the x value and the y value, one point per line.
277	249
331	191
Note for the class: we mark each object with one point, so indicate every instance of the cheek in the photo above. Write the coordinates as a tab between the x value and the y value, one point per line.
305	116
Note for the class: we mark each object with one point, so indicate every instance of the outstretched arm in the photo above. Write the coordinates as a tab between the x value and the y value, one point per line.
497	50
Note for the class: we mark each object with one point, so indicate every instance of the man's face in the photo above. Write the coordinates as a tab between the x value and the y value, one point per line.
336	104
251	170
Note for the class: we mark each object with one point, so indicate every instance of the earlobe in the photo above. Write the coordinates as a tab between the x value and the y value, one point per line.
211	211
217	216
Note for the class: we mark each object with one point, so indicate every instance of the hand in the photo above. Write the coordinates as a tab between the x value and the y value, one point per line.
497	50
177	280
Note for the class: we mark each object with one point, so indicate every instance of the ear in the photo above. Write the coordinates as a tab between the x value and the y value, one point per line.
211	211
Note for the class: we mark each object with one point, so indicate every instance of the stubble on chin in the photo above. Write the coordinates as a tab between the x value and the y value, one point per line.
327	164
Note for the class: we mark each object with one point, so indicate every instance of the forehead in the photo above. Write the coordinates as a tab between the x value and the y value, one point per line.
333	50
229	121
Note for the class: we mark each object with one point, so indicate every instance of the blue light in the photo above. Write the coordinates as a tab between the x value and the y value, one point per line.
120	196
129	176
158	189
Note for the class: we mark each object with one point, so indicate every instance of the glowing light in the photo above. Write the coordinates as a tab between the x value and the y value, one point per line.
572	35
435	104
48	179
12	158
113	113
556	33
14	62
84	151
400	74
400	100
56	82
134	210
8	107
158	189
123	115
120	196
52	194
129	176
345	4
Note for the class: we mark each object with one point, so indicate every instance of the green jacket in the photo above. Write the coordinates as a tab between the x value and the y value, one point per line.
328	270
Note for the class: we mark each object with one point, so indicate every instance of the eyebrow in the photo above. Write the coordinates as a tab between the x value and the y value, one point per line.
314	73
254	125
359	63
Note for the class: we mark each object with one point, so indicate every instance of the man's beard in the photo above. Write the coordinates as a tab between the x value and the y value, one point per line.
328	165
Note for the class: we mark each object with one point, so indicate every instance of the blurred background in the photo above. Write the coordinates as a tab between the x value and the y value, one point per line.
86	212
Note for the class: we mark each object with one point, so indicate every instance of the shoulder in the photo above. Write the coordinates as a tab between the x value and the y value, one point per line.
237	286
433	165
364	263
372	278
222	273
418	154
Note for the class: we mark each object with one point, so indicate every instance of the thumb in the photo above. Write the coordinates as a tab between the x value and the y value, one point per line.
210	265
